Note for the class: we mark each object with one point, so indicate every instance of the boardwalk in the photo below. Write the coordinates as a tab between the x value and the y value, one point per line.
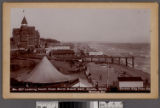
124	61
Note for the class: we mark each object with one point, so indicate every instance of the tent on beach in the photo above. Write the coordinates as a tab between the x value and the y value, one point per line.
45	72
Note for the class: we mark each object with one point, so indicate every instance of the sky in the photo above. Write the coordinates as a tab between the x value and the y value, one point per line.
82	24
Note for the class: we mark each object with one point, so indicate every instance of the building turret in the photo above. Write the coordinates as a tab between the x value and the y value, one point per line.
26	37
24	21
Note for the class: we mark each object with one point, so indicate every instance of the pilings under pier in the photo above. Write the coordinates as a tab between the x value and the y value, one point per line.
126	61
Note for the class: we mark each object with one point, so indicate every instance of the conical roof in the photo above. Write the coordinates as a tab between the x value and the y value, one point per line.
45	72
24	21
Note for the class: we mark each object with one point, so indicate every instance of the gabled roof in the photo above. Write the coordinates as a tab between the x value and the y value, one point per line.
24	21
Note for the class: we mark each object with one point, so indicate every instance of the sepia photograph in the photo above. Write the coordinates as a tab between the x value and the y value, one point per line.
73	49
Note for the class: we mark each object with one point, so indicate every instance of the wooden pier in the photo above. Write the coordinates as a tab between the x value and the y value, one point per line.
125	61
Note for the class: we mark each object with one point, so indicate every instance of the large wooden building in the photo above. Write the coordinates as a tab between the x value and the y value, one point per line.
26	37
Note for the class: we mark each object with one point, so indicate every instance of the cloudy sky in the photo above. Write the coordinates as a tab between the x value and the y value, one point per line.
76	24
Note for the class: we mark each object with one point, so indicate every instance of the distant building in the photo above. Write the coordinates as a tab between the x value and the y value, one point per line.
62	53
46	43
61	47
95	53
26	37
130	82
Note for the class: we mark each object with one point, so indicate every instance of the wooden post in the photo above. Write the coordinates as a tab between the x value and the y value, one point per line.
132	62
126	61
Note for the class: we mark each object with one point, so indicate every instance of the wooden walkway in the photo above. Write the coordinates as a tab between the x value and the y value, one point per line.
125	61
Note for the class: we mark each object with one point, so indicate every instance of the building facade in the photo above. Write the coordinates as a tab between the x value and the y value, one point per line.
130	82
26	37
62	53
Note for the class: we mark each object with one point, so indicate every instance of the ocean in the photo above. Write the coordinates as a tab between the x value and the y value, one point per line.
141	52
